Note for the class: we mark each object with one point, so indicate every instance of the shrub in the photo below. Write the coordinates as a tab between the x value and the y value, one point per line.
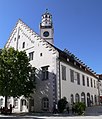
80	108
62	104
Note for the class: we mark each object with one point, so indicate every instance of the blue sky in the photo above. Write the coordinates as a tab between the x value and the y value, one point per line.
77	25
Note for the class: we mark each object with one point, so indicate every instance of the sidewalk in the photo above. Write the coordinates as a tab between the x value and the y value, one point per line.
91	113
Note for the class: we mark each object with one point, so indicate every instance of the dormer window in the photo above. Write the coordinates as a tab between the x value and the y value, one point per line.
23	45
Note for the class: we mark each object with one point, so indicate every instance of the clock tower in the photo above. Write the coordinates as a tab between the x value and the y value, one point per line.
46	27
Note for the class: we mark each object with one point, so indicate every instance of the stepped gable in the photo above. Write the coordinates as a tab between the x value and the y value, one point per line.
20	25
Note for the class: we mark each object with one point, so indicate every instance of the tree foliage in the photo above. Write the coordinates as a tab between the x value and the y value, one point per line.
15	73
80	108
62	104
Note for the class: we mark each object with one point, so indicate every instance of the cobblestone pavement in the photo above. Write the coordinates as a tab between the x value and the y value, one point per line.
91	113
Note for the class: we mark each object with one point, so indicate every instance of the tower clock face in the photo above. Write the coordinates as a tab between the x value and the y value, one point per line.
46	34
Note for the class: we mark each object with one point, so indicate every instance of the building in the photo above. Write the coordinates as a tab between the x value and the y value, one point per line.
60	73
100	88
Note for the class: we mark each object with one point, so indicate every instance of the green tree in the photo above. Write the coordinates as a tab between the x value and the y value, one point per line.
15	74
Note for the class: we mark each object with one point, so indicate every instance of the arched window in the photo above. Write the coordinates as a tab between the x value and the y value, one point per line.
77	98
23	45
83	97
72	98
45	103
16	102
88	100
92	99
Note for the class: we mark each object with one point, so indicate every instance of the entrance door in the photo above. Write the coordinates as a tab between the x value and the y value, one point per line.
23	105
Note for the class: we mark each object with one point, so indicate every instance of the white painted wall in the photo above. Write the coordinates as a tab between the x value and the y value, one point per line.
33	43
68	87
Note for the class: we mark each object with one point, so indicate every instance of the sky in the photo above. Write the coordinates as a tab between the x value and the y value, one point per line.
77	25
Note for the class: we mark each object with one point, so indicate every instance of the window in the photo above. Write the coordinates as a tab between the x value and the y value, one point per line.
77	77
77	98
88	81
23	45
40	54
23	102
91	83
72	99
31	55
19	37
32	75
45	103
1	102
83	80
83	97
45	73
95	98
63	72
16	102
92	98
72	75
14	39
94	84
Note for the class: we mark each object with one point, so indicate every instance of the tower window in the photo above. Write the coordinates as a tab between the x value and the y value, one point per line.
23	45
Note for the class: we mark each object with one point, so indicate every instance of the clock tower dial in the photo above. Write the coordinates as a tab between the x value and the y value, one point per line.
46	27
46	34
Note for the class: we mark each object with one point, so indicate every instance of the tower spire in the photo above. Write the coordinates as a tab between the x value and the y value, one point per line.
46	10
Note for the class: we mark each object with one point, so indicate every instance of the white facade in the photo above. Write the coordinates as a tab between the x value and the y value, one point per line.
54	72
76	89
